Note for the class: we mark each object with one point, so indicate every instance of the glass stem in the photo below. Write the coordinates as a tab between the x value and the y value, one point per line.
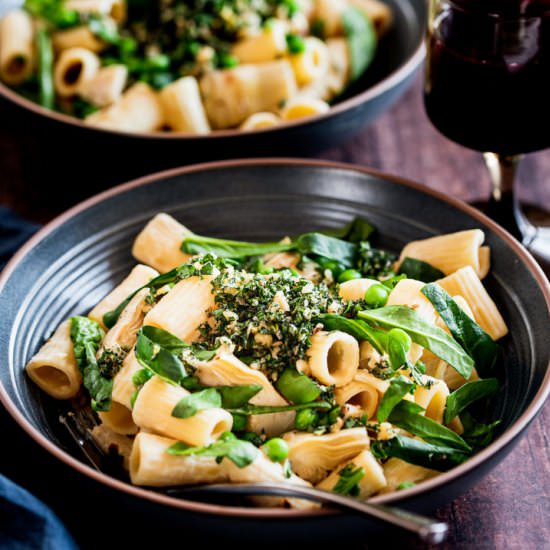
503	204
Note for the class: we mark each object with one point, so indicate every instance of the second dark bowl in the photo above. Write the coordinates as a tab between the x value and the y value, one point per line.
61	150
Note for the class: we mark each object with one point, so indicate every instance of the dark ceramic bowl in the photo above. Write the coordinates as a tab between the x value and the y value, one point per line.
75	260
64	147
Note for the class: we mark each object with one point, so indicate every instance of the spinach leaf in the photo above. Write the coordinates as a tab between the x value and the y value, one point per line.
45	53
355	231
398	388
191	404
297	387
405	415
399	345
164	339
348	482
241	453
86	336
54	12
477	434
419	270
358	329
413	451
248	410
163	362
423	333
361	37
479	345
308	243
234	397
467	394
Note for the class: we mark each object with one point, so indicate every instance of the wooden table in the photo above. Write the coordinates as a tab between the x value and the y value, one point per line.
510	508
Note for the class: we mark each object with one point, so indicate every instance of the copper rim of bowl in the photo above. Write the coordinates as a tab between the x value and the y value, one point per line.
390	81
517	427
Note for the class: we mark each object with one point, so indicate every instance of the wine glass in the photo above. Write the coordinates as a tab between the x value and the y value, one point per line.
487	87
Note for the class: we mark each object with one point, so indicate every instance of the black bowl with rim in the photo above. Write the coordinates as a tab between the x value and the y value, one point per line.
63	153
76	259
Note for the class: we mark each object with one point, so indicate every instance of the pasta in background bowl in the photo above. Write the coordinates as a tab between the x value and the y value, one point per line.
381	419
250	95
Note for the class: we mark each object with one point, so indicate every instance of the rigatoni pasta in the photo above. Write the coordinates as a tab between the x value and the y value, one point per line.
245	362
189	67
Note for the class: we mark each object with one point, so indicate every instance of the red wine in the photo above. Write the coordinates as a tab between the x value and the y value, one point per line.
488	74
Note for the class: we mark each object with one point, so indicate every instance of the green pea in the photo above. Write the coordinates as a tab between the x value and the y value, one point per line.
402	337
349	275
276	449
305	419
376	295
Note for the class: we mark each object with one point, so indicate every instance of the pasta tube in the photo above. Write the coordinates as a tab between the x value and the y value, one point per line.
333	357
300	107
109	441
153	411
230	96
138	110
53	368
397	471
267	45
183	109
257	121
73	68
226	370
118	419
139	276
123	385
184	308
364	391
151	465
432	398
77	37
467	284
313	456
106	86
355	289
450	252
16	47
372	481
158	243
311	64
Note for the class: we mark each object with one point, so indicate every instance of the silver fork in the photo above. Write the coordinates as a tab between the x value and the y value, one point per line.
80	422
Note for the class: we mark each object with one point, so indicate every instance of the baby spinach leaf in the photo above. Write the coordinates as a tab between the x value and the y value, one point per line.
355	231
464	396
164	339
413	451
241	453
361	37
479	345
349	478
423	333
160	360
358	329
234	397
191	404
477	434
398	388
86	336
419	270
405	415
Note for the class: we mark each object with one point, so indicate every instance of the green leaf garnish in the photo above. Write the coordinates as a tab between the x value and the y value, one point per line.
195	402
467	394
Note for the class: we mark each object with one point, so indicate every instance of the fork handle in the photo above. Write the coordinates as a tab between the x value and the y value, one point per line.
428	529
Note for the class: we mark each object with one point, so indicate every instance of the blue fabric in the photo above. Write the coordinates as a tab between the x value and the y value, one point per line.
26	523
14	231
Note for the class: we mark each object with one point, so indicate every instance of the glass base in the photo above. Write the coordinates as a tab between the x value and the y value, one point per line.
537	238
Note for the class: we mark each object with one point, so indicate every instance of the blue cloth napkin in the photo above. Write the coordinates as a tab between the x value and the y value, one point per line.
26	523
14	231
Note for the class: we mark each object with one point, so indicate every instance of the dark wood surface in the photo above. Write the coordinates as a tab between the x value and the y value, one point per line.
510	508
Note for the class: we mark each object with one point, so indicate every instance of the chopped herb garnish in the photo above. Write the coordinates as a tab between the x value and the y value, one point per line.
348	484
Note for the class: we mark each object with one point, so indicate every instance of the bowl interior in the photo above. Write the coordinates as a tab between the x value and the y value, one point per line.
73	264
